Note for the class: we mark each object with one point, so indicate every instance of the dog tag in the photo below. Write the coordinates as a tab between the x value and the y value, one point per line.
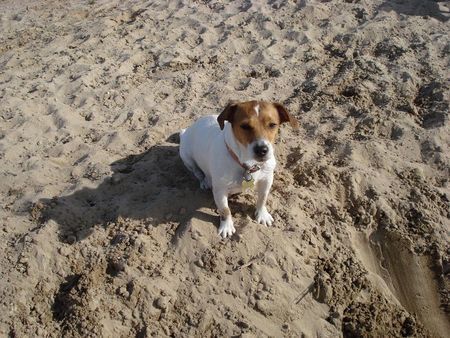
247	185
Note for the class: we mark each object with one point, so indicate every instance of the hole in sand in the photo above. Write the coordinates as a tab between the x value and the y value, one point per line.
401	276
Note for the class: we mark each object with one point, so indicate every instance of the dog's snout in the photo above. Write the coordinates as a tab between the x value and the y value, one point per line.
261	150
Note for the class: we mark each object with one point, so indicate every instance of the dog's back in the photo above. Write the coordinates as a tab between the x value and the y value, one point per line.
196	142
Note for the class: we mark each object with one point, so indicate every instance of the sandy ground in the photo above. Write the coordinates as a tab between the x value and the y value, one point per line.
104	232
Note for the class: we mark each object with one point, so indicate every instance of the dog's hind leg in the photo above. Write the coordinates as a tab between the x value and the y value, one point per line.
202	178
198	173
205	184
189	163
188	160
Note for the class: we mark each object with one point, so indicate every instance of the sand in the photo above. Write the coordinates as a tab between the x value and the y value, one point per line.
105	233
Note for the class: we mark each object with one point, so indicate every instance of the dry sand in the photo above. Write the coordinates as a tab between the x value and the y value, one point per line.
104	233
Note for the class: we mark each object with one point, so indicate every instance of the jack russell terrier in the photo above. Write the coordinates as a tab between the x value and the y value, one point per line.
233	151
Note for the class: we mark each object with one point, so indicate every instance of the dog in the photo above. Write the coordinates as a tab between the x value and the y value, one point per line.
234	151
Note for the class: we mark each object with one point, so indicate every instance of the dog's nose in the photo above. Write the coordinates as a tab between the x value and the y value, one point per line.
261	150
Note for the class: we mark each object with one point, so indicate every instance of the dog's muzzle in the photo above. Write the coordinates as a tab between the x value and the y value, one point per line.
261	150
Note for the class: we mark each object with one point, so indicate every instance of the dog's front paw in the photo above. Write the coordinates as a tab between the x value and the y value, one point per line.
263	216
226	228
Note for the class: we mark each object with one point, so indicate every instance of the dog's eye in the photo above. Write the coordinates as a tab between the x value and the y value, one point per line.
272	125
246	126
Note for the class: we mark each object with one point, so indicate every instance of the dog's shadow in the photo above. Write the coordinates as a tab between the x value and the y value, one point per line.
416	8
153	186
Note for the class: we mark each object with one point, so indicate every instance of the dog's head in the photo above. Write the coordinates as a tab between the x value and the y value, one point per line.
255	126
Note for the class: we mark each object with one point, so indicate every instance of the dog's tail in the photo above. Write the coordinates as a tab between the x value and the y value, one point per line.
181	134
176	137
182	131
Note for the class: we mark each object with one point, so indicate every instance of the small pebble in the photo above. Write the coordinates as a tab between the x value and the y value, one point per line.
161	303
64	251
259	295
326	235
263	306
123	291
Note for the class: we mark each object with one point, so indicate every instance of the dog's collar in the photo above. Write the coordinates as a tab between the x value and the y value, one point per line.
248	170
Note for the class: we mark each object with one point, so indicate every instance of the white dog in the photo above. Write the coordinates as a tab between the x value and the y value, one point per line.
232	156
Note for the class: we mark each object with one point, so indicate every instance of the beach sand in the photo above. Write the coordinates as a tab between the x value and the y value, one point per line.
105	233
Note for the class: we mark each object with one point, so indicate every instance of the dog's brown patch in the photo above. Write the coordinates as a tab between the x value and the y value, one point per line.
254	120
224	214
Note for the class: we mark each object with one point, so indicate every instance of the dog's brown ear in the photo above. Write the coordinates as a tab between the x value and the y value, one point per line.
227	114
285	116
